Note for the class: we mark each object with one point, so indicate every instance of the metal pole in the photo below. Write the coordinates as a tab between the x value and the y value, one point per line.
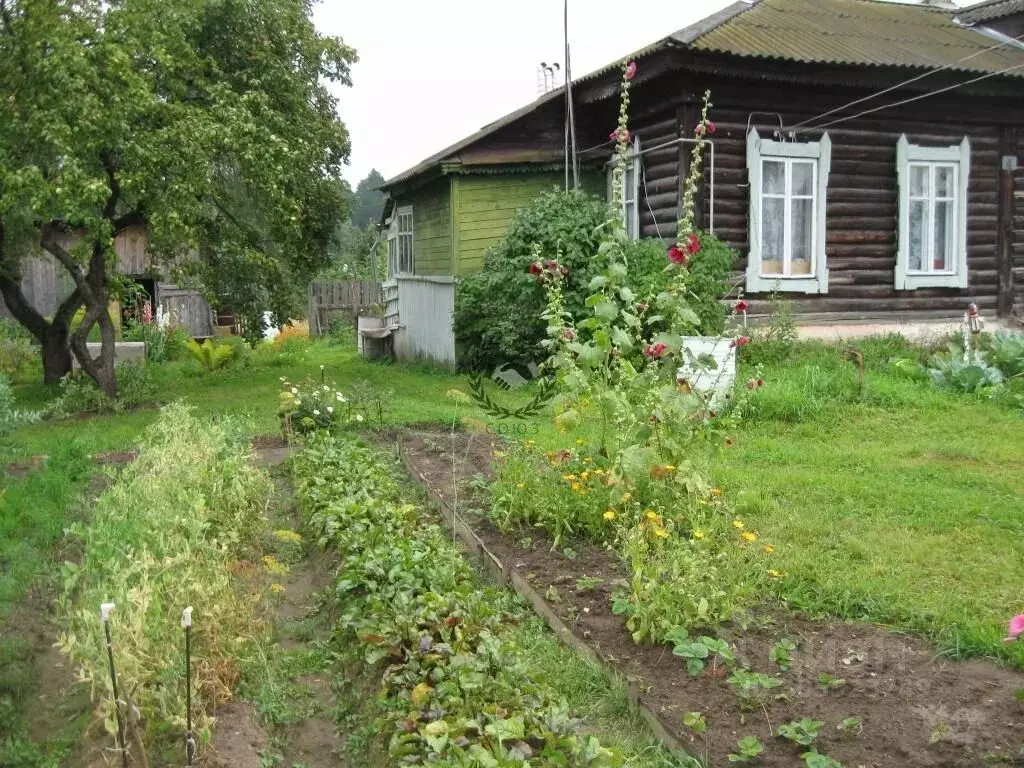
105	610
190	741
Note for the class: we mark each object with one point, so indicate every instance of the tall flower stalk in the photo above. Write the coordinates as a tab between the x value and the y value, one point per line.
621	136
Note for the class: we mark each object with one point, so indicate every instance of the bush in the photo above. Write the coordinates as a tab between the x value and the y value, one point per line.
498	310
19	356
169	533
241	352
79	394
10	417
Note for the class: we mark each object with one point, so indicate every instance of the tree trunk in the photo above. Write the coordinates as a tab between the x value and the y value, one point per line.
56	354
101	368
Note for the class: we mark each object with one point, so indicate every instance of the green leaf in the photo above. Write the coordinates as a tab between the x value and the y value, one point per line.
598	282
606	310
509	728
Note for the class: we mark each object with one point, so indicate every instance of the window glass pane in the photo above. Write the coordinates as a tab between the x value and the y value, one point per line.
918	235
919	180
943	181
772	235
630	191
774	177
942	256
803	179
801	237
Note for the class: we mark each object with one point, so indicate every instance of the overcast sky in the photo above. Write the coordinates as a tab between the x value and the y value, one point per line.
433	71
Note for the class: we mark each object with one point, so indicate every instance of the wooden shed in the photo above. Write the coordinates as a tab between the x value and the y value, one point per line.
865	163
46	283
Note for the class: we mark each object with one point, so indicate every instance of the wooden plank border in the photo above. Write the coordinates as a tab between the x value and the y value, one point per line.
510	577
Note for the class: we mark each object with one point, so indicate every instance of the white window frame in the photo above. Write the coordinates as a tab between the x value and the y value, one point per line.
959	157
396	264
759	150
634	163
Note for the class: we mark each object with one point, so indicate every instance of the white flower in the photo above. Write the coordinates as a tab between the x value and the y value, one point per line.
316	412
283	379
340	397
359	417
322	367
295	391
326	388
298	401
330	409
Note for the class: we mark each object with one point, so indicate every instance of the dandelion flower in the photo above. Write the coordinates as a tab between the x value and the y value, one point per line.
769	549
660	532
651	515
520	486
749	536
609	514
568	478
698	534
588	460
776	574
739	524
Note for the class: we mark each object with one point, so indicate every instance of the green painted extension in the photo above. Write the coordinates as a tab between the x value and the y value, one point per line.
458	217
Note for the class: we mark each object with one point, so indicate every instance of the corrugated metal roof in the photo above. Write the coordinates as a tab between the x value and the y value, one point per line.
992	9
858	32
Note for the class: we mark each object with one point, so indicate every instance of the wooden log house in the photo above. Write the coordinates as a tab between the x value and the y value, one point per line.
866	157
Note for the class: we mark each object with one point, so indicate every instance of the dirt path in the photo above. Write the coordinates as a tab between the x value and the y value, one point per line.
285	713
915	708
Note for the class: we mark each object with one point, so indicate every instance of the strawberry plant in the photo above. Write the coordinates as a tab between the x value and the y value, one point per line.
803	732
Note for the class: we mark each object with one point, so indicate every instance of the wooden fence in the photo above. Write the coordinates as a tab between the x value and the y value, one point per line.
347	297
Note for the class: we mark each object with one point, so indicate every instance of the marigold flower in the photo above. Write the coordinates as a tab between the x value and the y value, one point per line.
631	70
609	514
749	536
738	524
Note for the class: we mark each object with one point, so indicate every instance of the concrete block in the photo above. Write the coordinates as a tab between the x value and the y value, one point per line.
124	352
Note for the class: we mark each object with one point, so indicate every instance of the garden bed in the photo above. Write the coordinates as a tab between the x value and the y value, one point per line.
915	708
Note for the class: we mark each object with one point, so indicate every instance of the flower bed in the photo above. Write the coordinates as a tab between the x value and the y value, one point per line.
454	688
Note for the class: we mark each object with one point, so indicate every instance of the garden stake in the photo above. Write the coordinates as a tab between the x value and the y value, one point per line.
105	610
190	742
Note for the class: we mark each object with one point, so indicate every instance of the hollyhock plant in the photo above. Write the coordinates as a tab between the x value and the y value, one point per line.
692	244
631	70
740	306
742	341
677	254
655	351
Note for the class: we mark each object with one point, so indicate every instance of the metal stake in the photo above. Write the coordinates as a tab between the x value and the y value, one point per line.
105	611
190	741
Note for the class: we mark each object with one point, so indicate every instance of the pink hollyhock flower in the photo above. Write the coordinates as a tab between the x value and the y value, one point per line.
678	255
631	70
711	127
147	313
741	306
1016	628
616	134
655	351
692	244
568	334
742	341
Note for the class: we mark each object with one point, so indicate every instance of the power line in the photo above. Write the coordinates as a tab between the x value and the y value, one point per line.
914	79
918	97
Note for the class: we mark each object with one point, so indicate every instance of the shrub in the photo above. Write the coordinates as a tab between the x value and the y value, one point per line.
241	352
211	357
309	407
497	310
19	358
10	417
167	534
79	394
177	338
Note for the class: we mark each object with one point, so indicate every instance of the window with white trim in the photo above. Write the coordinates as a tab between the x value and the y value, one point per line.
400	242
631	190
932	249
788	186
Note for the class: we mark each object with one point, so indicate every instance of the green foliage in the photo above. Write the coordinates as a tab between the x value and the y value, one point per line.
311	407
752	687
79	394
498	310
782	654
139	553
951	371
366	202
696	722
18	358
1005	351
815	759
698	652
830	682
850	726
749	750
211	357
773	343
455	689
11	417
708	284
803	732
241	351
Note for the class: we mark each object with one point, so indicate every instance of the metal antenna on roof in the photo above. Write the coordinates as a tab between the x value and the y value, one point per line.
570	114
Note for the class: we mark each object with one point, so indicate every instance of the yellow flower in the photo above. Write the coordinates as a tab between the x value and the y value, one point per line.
670	468
520	486
273	565
716	491
581	441
609	514
588	460
651	515
698	534
290	537
749	536
531	442
277	588
660	532
577	487
777	574
739	524
499	454
568	478
584	476
769	549
627	497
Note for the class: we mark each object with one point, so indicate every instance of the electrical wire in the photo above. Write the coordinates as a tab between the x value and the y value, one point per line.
915	79
919	97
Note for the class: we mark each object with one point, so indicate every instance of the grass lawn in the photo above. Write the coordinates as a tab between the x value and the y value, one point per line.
902	506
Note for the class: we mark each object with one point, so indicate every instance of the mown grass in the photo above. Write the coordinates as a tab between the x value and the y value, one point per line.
899	505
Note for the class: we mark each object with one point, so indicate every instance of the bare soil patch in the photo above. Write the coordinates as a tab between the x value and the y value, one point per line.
916	708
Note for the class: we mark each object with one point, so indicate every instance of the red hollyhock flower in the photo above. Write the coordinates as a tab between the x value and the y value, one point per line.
760	383
742	341
678	255
655	351
711	127
631	70
692	244
741	306
536	269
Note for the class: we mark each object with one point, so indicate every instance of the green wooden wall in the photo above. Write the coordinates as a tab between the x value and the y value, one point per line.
432	228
